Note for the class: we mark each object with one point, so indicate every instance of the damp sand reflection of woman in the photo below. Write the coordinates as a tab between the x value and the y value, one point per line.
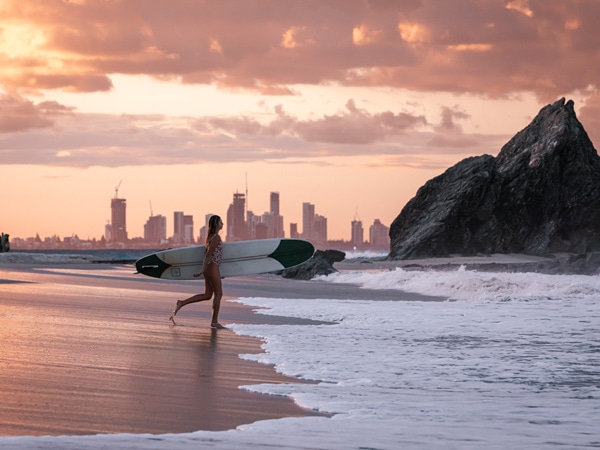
212	275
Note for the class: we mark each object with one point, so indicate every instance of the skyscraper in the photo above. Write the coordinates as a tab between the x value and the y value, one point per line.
379	235
357	233
308	221
118	207
275	203
273	220
236	223
188	229
178	227
320	229
155	229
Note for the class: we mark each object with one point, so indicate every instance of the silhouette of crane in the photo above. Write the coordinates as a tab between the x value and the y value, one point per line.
117	189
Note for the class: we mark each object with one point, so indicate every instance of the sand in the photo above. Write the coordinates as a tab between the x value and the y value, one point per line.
84	353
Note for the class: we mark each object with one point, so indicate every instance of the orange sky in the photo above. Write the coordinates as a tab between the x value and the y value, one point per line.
347	104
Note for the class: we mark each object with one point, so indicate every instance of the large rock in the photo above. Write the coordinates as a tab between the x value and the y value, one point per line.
321	263
540	195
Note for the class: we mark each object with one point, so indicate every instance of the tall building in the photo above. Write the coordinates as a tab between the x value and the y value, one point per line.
236	223
379	235
178	227
274	203
308	221
155	229
320	229
118	207
274	220
252	223
188	229
357	233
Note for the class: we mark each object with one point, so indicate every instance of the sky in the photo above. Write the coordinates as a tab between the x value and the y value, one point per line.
350	105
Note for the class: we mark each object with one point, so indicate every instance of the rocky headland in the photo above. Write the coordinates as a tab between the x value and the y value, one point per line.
540	196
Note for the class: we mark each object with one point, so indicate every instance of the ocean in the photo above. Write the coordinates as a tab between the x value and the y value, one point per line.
495	361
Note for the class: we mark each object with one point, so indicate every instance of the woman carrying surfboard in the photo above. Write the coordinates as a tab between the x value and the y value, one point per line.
212	275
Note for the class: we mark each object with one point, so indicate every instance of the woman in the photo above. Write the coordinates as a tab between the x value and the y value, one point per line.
212	275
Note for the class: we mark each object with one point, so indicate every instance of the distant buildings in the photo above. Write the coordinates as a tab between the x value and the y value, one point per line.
183	228
118	223
236	222
357	238
241	224
379	235
314	226
155	229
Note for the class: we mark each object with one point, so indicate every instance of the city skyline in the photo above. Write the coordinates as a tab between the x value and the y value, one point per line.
240	224
268	225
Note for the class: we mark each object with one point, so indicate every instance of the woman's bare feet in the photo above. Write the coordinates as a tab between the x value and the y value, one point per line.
178	306
217	326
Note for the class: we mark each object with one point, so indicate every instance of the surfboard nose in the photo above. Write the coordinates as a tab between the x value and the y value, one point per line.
291	252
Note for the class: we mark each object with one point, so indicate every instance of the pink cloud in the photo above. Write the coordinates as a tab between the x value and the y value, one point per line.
492	48
18	114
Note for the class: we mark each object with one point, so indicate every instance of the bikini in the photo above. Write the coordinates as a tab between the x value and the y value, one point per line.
217	254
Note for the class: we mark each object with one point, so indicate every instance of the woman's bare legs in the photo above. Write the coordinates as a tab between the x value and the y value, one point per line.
208	293
212	286
213	277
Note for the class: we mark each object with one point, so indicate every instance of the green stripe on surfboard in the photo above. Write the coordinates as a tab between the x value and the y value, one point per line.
291	252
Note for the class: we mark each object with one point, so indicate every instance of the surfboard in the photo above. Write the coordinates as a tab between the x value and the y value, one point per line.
238	259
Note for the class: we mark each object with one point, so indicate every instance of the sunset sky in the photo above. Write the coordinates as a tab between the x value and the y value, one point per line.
351	105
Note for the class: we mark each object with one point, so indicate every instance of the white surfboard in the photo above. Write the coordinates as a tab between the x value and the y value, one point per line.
239	258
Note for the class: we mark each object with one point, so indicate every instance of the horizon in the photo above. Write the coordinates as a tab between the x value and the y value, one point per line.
198	224
351	107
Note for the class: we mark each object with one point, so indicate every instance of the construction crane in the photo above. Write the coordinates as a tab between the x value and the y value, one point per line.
117	189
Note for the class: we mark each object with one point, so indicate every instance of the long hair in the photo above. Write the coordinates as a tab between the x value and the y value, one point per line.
213	227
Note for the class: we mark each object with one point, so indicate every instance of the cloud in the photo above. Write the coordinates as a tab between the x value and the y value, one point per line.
18	114
488	48
71	139
448	133
589	116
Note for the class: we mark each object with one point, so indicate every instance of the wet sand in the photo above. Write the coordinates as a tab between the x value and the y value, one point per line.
87	350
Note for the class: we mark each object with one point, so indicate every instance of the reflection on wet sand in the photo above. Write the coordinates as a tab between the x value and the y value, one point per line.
87	355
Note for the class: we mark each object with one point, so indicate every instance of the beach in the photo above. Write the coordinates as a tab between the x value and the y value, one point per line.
88	349
376	356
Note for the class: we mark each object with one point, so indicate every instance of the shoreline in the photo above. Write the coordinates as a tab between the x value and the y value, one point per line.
86	340
95	354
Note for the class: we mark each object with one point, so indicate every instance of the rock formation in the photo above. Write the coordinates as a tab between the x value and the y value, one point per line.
321	263
540	195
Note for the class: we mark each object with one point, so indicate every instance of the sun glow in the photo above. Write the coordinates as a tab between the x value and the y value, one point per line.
363	35
413	33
